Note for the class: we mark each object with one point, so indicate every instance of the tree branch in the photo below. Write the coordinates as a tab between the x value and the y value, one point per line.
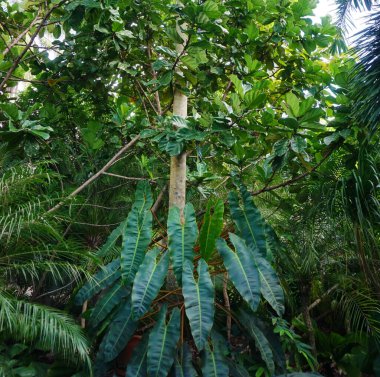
96	175
298	177
146	96
21	35
154	76
129	178
159	199
25	50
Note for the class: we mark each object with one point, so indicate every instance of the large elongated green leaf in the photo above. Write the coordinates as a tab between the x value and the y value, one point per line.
182	236
183	366
111	240
300	374
211	228
107	303
137	366
162	343
120	331
241	269
269	284
261	341
143	196
103	279
199	301
148	281
214	364
248	219
138	233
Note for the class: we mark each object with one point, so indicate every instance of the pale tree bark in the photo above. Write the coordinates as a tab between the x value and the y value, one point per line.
177	186
177	183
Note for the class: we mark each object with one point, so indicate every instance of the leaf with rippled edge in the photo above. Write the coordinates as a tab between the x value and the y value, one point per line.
199	301
162	343
182	237
120	331
107	303
103	279
138	233
211	228
241	269
148	281
248	220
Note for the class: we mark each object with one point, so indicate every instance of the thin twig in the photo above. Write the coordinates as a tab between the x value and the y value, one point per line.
21	35
82	320
146	96
154	76
130	178
317	301
228	306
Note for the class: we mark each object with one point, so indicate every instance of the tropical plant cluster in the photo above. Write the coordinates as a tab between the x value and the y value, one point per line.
188	188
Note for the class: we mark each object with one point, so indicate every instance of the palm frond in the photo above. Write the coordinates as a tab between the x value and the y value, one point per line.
361	310
29	322
345	8
28	218
366	74
57	271
21	182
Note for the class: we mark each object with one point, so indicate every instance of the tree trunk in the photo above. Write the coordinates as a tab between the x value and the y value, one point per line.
177	186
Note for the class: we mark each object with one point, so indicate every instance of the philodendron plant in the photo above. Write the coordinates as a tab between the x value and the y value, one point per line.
175	294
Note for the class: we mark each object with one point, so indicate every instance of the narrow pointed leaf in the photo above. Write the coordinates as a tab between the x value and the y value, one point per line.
269	284
162	344
272	242
237	370
137	366
241	269
248	219
148	281
107	303
183	366
111	240
182	237
103	279
261	341
143	196
214	364
138	233
199	301
120	331
211	228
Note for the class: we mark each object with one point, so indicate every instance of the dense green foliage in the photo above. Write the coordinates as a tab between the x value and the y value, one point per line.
272	267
